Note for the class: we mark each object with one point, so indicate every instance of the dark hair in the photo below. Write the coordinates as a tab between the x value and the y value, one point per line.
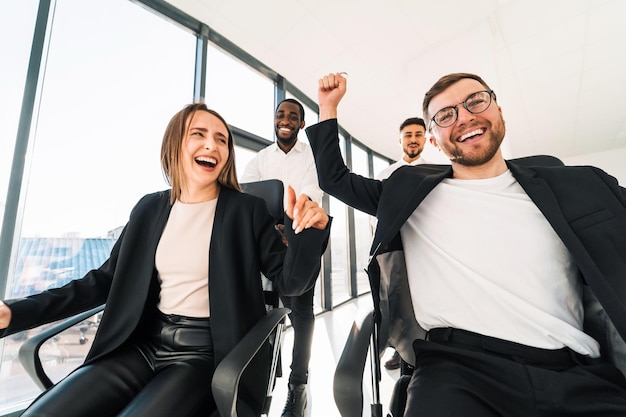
171	147
297	103
413	121
445	82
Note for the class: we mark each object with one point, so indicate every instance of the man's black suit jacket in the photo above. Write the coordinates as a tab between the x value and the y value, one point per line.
585	206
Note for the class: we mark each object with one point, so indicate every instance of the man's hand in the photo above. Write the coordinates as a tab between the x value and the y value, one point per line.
304	212
5	315
331	89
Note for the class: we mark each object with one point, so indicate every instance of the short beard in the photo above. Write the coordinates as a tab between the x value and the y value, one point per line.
413	155
470	159
475	159
287	141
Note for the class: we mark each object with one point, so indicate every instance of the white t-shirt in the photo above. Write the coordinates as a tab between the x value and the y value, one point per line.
481	257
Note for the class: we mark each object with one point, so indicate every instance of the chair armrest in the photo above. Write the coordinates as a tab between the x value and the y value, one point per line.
29	351
348	379
225	384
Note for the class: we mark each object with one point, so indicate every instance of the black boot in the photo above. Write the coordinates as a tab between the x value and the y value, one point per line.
296	401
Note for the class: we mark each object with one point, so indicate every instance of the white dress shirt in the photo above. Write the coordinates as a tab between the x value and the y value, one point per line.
295	168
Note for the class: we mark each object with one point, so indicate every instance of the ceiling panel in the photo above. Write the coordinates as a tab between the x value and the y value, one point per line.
557	65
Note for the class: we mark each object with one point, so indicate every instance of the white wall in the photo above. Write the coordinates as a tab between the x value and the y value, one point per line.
613	162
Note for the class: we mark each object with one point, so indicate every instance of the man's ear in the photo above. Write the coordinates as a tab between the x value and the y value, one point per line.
302	124
433	142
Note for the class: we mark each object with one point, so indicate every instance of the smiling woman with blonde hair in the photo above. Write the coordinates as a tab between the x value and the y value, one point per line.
179	295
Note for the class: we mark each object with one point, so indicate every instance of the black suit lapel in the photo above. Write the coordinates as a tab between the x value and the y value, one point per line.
543	197
545	200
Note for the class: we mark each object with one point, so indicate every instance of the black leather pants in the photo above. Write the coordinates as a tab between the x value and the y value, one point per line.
168	374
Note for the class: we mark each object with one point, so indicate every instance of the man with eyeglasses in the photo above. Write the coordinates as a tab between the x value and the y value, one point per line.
502	282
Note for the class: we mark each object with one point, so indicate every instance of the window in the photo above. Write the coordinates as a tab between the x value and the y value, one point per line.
340	270
17	22
109	91
362	223
243	96
379	165
242	157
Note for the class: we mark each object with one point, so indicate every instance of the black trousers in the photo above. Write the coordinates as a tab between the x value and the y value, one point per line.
460	374
302	320
167	374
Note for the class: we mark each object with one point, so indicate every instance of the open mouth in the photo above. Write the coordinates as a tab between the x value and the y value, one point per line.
471	134
206	162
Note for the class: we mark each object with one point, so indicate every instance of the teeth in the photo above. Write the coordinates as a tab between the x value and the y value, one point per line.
470	134
206	161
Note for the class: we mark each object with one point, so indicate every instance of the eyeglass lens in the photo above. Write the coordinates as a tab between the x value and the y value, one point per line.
475	103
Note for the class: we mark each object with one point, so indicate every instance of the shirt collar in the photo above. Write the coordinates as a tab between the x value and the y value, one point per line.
298	147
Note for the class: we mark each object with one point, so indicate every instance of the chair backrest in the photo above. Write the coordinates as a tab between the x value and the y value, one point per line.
272	192
226	377
538	161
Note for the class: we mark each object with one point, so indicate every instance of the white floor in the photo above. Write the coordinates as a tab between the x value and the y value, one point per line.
331	331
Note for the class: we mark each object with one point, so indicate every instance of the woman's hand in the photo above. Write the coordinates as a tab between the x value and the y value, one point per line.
304	212
5	315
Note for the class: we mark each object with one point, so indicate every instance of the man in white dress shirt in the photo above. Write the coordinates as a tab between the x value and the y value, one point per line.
412	141
291	161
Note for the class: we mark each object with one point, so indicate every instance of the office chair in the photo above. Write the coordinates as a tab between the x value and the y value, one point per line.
363	338
225	383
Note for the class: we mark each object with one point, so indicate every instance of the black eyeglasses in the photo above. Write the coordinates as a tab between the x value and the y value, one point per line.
475	103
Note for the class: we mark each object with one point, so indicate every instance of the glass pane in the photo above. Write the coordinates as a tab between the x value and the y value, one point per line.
242	157
103	115
340	272
340	265
17	23
244	97
359	161
362	223
379	165
108	95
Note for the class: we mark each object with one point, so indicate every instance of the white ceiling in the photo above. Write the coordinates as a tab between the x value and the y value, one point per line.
558	67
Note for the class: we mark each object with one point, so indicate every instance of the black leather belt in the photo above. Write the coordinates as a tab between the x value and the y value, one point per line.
182	332
518	352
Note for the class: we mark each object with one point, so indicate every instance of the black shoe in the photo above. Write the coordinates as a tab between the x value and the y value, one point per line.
394	362
296	401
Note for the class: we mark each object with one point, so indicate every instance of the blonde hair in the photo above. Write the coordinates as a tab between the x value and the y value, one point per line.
171	151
